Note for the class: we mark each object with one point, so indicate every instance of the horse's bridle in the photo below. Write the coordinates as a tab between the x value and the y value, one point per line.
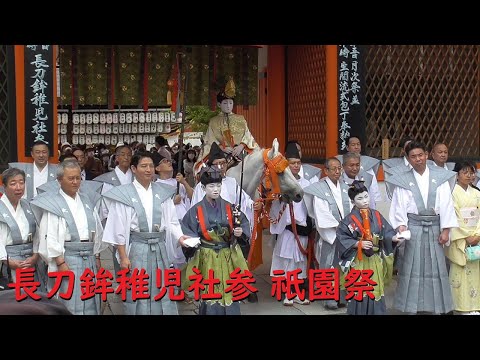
272	168
268	192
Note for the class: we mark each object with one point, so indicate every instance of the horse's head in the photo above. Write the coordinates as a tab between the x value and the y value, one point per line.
290	189
260	161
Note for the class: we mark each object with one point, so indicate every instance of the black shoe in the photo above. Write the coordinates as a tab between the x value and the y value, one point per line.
252	298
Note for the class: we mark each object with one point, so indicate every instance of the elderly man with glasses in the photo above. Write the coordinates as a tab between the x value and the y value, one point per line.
328	203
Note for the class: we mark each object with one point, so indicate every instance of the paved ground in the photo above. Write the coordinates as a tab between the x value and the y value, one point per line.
267	305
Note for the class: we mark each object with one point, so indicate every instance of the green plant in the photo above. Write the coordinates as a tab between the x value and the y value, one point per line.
198	117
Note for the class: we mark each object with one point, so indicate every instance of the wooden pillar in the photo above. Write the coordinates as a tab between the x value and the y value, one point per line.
276	102
332	102
24	124
20	101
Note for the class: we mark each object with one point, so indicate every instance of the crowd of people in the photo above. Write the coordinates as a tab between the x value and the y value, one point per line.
98	159
60	217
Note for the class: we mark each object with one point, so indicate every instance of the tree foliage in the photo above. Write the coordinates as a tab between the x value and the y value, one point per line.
198	116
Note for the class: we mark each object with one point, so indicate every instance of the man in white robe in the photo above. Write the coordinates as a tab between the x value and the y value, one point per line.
70	233
39	172
18	229
121	175
291	249
422	203
307	171
328	203
164	169
144	226
439	155
368	164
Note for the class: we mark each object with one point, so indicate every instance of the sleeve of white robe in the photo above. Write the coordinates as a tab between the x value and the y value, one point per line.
103	206
186	200
198	194
36	240
444	207
399	207
118	225
325	222
4	232
52	233
374	190
173	231
56	235
98	244
247	207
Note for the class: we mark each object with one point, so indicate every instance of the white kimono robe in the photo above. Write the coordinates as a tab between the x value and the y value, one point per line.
184	204
403	203
325	222
22	222
53	232
122	219
286	253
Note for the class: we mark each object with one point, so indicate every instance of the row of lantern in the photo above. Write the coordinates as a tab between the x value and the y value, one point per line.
111	127
112	139
105	129
118	117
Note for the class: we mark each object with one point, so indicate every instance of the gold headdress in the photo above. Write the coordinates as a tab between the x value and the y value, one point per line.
228	92
230	88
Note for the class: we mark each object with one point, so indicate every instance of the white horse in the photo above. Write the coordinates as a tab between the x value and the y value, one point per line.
253	171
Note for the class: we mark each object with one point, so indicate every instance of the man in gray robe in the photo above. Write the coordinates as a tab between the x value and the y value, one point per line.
307	171
367	163
18	230
39	172
439	155
143	225
422	203
70	236
328	203
89	188
121	175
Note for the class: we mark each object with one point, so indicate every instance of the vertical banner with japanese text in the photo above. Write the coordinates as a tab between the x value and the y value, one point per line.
39	96
351	95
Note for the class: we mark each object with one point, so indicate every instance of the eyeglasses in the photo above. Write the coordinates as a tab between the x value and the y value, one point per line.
335	169
467	173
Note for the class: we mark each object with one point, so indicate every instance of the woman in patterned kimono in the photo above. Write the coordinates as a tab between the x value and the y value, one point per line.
465	275
212	219
358	253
